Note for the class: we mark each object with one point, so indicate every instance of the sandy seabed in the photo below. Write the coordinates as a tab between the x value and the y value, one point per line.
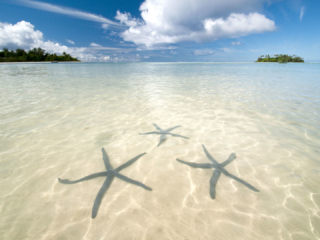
54	124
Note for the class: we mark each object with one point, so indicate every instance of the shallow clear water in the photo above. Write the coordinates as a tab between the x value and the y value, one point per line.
55	118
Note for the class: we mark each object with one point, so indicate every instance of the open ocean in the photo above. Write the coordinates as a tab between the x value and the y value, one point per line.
56	118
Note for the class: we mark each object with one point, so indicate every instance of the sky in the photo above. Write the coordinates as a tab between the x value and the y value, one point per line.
163	30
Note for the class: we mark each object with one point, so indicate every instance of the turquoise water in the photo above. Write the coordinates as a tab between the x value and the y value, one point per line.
55	118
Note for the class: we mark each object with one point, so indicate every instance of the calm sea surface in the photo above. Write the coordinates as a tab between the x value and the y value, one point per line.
56	118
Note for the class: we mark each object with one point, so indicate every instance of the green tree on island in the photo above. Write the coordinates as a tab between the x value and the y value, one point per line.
280	58
33	55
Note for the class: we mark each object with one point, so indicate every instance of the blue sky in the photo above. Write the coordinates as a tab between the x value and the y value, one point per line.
164	30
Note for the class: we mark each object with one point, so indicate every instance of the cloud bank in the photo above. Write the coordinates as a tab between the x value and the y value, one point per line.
168	22
23	35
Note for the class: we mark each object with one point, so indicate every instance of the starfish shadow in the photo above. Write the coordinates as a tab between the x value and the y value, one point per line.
219	168
110	174
163	133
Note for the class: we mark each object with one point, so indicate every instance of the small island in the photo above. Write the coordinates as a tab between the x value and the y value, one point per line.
33	55
281	58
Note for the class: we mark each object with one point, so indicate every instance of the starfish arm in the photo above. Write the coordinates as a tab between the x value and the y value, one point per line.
101	192
177	135
196	165
106	160
162	139
170	129
149	133
92	176
157	127
209	156
213	182
129	180
240	181
128	163
229	160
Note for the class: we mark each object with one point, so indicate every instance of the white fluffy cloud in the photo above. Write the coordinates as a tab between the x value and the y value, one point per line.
23	35
20	35
167	21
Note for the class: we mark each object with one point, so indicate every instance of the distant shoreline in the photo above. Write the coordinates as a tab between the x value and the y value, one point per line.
158	62
45	62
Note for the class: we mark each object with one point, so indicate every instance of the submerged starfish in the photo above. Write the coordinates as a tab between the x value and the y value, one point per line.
219	168
110	174
163	133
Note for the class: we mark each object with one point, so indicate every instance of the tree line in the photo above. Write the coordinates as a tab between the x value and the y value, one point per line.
33	55
280	58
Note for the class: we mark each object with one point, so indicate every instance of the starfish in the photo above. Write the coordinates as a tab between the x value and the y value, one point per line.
110	174
219	168
163	133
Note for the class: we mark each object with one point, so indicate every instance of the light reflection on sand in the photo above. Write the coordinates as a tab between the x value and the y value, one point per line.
55	119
